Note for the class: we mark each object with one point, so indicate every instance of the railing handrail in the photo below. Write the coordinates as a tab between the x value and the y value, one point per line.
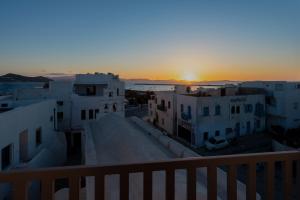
196	162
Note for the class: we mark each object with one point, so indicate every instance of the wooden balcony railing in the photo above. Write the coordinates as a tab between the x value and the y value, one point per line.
20	179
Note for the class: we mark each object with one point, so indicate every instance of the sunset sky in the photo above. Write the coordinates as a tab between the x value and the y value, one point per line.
193	40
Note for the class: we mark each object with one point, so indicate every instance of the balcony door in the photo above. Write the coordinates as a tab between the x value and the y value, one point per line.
23	146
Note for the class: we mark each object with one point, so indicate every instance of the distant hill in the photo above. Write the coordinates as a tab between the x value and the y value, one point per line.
19	78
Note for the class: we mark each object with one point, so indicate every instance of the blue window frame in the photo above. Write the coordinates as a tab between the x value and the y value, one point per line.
218	110
206	111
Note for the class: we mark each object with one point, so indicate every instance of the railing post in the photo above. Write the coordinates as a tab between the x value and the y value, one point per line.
170	184
287	179
124	186
298	179
47	189
269	180
191	183
212	182
99	186
74	188
251	182
147	183
231	183
20	190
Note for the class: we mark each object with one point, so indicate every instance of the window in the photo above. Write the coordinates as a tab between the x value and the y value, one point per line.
115	107
38	137
96	112
6	156
4	105
91	114
182	108
105	106
206	111
238	110
233	110
248	108
218	110
169	104
118	92
162	121
217	133
205	136
257	124
150	105
189	111
228	131
110	94
83	115
60	103
60	116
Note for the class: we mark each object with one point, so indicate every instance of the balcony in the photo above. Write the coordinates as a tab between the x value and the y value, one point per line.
21	179
162	108
186	116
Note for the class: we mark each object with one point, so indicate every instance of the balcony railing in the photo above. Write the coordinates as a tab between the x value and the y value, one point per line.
186	116
20	179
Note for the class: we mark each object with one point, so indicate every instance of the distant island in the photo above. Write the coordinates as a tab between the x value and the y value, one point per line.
10	77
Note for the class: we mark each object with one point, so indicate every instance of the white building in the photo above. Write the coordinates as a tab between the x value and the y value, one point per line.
228	112
162	109
40	126
282	103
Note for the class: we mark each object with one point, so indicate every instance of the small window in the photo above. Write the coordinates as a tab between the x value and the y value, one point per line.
169	104
206	111
162	121
60	103
38	137
150	105
83	115
218	110
91	114
118	92
238	109
233	110
189	111
96	112
4	105
6	156
110	94
182	108
105	106
217	133
228	131
205	136
60	116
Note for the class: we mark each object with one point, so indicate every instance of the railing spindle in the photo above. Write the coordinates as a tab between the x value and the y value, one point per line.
20	190
47	189
147	191
124	186
74	191
212	182
100	186
191	183
298	179
251	182
231	183
269	180
170	184
287	179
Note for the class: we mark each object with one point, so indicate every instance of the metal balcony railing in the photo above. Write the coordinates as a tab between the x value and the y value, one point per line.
186	116
20	179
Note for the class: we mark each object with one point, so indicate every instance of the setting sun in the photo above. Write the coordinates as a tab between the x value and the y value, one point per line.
189	76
